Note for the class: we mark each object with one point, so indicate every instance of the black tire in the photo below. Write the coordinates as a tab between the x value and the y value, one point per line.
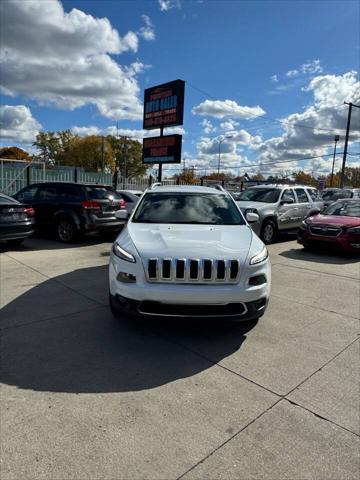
268	232
15	242
66	230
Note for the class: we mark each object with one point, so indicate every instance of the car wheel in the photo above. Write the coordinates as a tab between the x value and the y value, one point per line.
66	230
268	232
15	242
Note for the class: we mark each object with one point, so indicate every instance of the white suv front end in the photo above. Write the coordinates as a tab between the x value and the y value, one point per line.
188	252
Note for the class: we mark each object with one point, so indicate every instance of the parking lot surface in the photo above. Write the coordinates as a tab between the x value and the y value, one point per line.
86	396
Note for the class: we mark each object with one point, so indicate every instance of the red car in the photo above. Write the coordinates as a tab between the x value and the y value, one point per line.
337	226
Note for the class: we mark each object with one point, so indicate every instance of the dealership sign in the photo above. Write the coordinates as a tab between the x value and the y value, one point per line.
162	149
164	105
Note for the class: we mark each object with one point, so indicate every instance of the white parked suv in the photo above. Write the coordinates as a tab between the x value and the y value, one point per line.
188	252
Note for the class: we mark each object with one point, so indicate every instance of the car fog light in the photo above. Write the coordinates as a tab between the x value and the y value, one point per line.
126	277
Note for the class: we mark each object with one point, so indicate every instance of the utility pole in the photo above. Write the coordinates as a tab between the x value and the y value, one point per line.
346	142
336	138
125	161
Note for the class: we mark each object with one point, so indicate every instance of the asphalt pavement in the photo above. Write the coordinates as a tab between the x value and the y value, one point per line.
86	396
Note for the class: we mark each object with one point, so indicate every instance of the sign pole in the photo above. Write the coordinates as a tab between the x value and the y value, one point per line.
160	164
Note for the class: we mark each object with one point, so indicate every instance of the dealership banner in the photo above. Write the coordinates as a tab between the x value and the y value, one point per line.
164	105
161	150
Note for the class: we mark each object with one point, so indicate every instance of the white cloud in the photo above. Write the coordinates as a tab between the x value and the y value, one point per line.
311	133
86	131
309	68
312	67
292	73
208	127
227	108
62	59
229	125
17	124
147	32
166	5
274	78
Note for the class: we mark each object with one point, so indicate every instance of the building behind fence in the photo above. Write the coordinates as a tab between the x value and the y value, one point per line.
17	174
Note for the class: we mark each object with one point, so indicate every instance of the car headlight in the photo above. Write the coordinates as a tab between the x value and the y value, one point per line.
259	257
354	230
123	254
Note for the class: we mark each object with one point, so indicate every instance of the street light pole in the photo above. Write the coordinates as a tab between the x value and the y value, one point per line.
336	138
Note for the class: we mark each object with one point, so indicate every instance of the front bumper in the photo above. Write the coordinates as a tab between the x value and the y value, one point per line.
240	311
345	241
208	298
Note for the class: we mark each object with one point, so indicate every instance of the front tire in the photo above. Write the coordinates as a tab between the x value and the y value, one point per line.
66	230
268	232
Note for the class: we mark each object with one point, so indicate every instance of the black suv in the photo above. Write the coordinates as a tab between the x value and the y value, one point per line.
72	209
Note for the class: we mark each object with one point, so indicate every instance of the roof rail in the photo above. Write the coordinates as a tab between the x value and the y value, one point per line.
220	187
154	185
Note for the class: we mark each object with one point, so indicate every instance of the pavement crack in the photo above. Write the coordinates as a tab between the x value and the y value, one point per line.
321	417
229	439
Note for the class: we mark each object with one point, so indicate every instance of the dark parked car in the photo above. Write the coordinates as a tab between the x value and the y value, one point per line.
330	195
16	220
130	198
337	226
72	209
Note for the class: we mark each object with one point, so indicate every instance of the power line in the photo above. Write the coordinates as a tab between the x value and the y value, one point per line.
270	118
264	164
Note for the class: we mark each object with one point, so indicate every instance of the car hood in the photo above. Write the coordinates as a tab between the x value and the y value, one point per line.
191	241
334	220
249	204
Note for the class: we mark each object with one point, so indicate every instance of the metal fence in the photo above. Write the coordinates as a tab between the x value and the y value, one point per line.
17	174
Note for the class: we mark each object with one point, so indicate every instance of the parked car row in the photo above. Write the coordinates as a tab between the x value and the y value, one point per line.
284	208
67	210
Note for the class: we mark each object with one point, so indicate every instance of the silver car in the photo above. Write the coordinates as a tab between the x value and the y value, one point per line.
280	208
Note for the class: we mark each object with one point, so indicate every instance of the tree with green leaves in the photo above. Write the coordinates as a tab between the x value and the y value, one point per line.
128	156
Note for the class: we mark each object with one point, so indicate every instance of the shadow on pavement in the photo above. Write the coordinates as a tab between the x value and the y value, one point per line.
48	243
320	255
92	352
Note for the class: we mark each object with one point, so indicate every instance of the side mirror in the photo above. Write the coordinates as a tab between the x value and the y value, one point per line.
287	202
252	217
121	214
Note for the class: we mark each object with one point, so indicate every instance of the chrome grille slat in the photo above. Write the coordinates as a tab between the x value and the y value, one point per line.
155	269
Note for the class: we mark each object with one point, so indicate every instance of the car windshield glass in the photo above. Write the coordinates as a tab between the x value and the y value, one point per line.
267	195
344	209
102	193
195	208
336	194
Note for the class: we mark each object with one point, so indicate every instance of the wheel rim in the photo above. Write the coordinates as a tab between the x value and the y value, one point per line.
65	230
268	233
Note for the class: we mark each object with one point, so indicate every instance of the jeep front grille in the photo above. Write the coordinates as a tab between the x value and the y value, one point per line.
192	270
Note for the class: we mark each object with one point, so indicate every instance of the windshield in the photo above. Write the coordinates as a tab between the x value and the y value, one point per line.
336	194
195	208
267	195
102	193
344	209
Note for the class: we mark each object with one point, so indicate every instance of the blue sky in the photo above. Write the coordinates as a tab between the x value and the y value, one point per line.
273	75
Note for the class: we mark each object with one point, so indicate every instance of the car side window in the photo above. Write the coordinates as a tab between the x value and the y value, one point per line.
70	193
47	193
301	195
314	194
288	196
27	195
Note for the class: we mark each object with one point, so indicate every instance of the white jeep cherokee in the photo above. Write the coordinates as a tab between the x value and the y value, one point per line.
188	252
